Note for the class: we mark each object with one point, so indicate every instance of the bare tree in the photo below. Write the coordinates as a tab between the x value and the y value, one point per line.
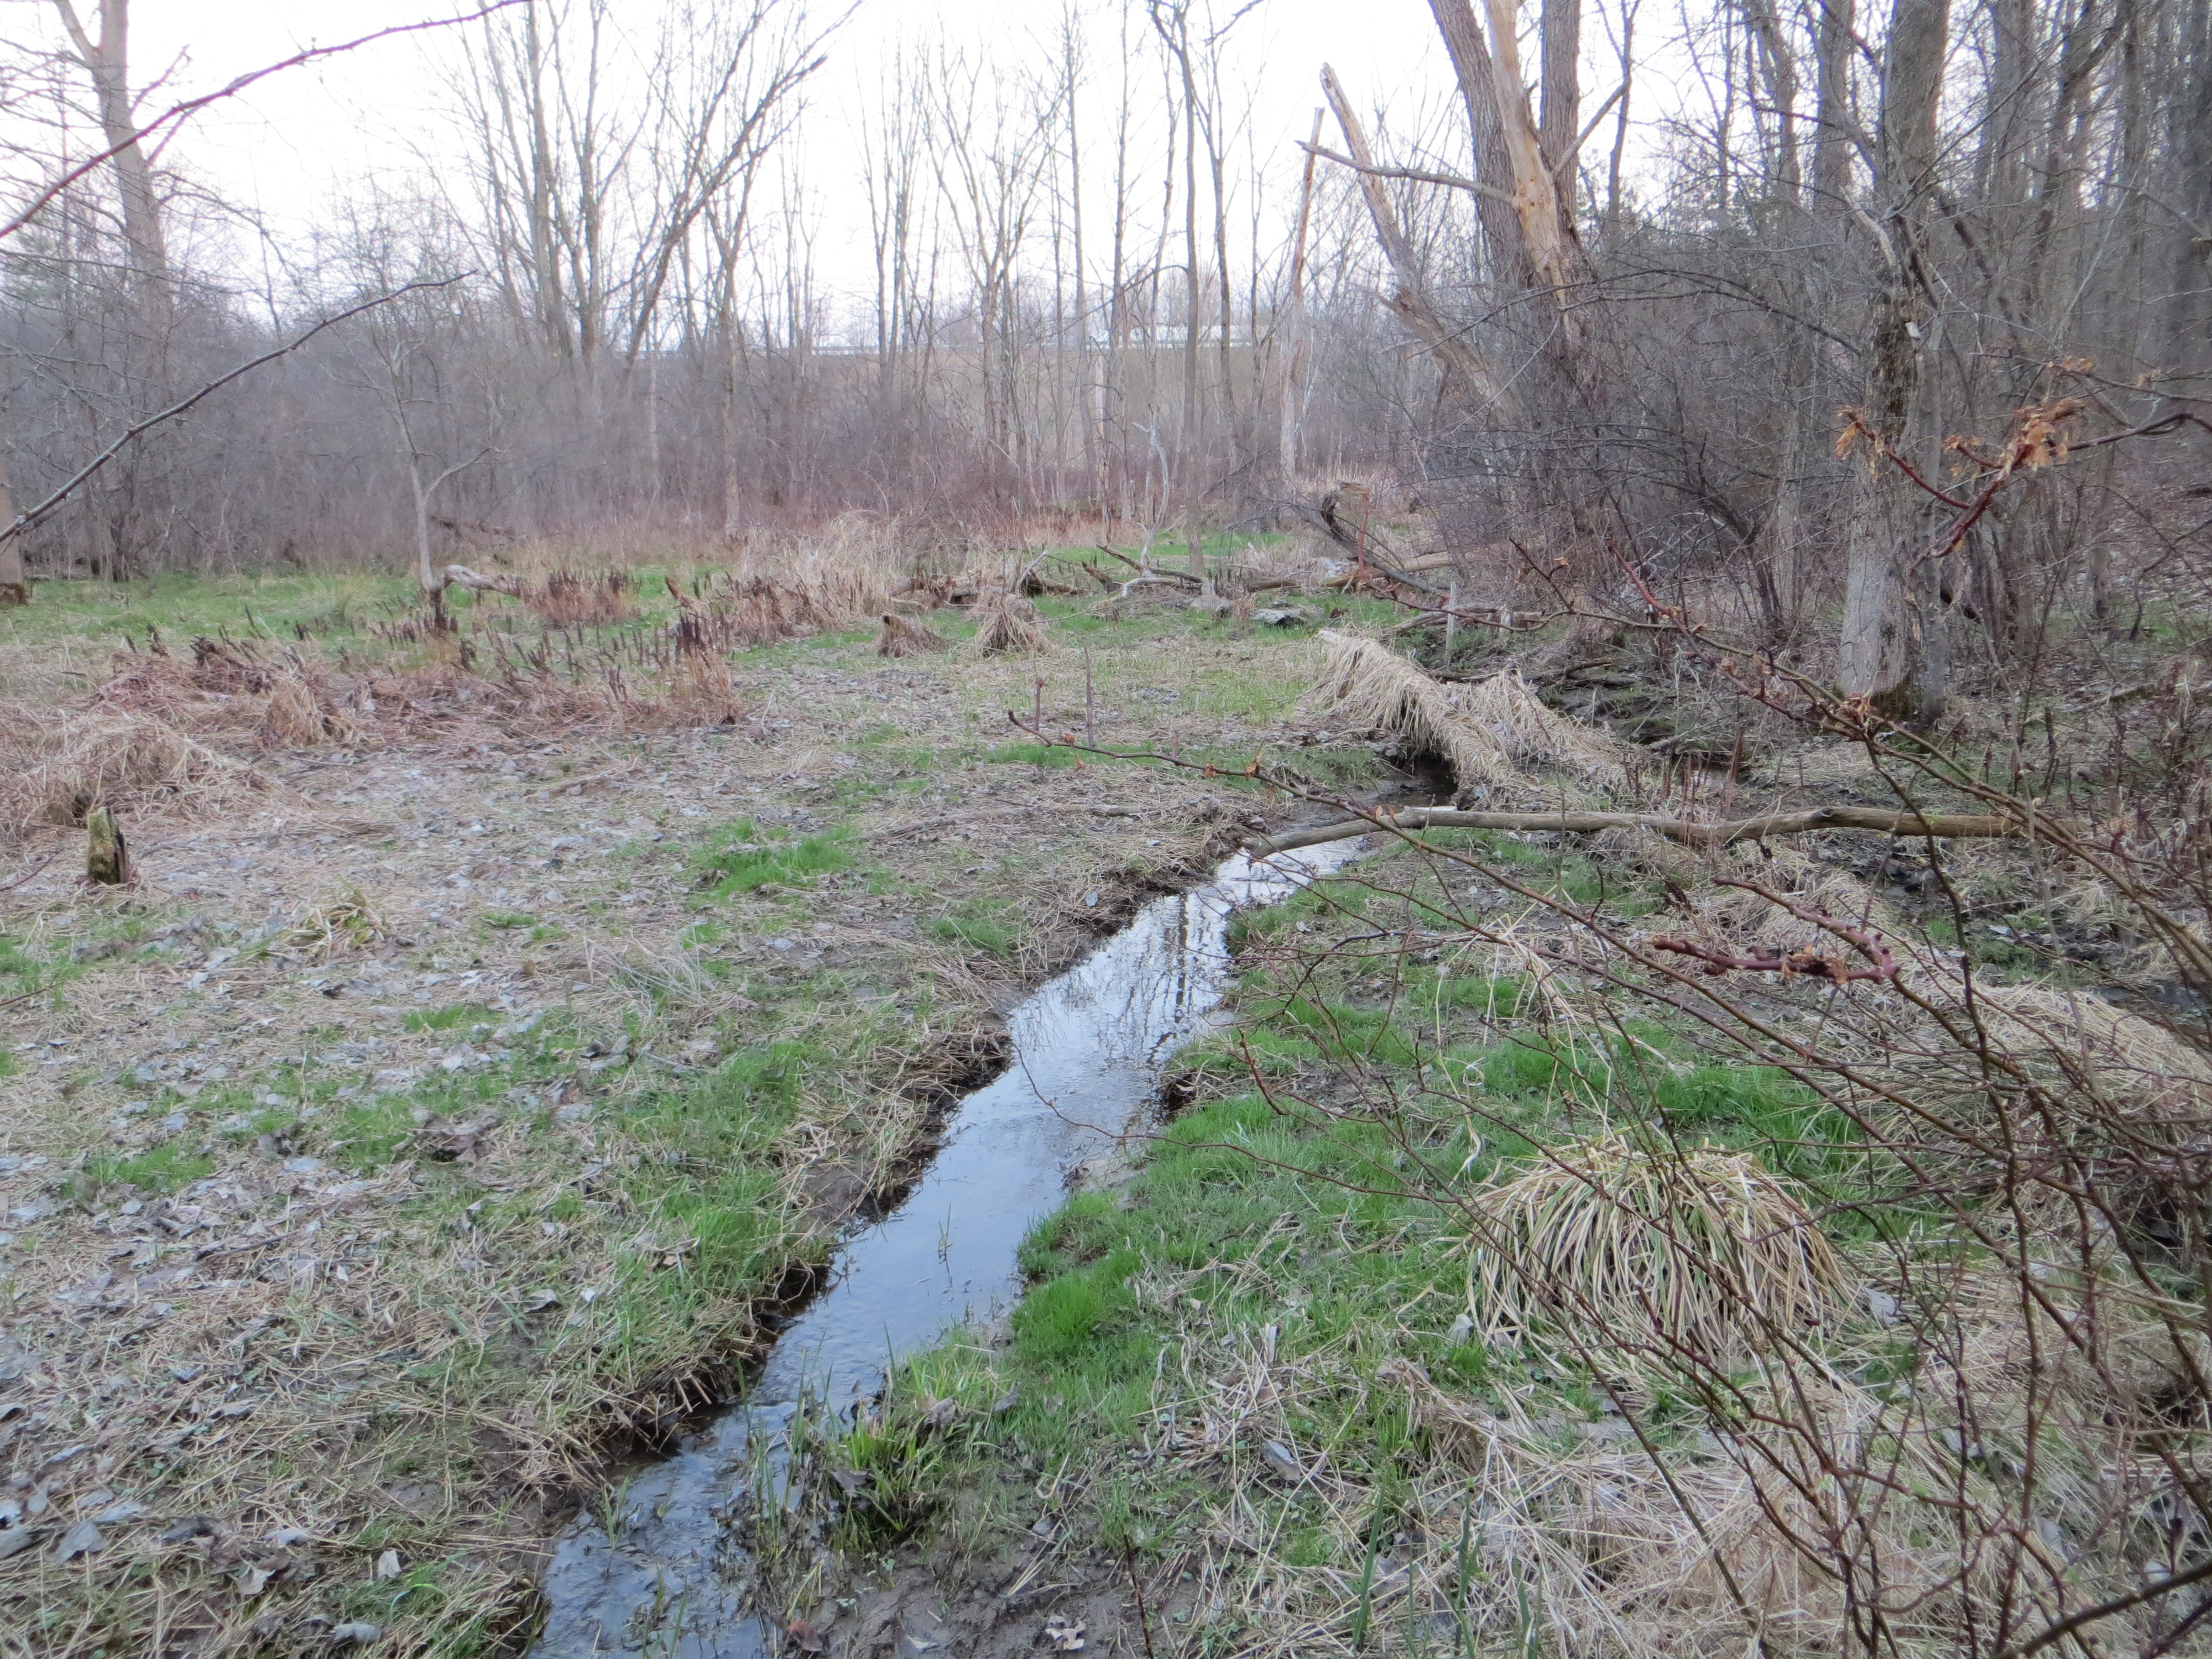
105	58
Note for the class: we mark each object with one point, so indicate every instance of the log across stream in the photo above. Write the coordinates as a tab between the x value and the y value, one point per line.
1089	1048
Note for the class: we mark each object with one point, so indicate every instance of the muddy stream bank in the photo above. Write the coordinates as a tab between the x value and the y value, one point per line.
1088	1048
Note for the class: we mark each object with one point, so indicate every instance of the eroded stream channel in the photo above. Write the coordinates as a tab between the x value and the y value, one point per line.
1088	1048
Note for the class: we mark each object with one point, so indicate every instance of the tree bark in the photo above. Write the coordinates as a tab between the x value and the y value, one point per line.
1893	650
1293	341
1547	226
1493	206
106	859
1559	124
15	588
1834	42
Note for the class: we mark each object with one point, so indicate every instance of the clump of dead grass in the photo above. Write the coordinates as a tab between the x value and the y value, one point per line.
1487	733
568	598
63	766
347	921
285	699
1011	626
1705	1249
902	638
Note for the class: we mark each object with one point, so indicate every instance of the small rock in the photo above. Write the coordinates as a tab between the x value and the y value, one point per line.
1881	1305
1282	1459
186	1528
303	1166
83	1538
122	1514
284	1537
1462	1329
360	1631
1007	1402
15	1539
388	1565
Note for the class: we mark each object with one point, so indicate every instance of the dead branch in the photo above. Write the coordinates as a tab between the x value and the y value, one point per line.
1804	963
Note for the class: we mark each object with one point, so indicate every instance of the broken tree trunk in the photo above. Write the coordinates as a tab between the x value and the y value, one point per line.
106	860
1943	826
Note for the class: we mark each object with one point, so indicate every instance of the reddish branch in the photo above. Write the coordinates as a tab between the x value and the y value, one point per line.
1803	963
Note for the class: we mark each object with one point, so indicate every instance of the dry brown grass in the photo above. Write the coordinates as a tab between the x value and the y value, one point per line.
1487	733
902	638
1010	627
59	766
1703	1250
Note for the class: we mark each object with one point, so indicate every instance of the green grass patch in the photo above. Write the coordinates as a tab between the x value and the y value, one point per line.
743	858
989	925
162	1170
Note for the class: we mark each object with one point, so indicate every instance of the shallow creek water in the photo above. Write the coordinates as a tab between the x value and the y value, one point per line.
1088	1051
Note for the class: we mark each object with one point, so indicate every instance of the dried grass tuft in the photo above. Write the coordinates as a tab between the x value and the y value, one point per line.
902	638
1634	1249
1507	707
567	600
347	921
1485	733
1011	626
63	768
1386	691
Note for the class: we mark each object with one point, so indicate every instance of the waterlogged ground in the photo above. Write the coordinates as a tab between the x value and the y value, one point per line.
445	1108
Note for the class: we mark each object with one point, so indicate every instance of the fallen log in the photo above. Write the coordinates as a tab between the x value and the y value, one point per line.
459	575
1944	826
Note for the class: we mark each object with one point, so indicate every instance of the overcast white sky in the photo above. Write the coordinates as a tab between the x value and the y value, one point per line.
303	138
288	140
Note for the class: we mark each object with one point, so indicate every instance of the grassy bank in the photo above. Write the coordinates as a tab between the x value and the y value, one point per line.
441	1107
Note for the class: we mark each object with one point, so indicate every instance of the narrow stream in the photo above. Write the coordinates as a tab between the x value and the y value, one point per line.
1089	1048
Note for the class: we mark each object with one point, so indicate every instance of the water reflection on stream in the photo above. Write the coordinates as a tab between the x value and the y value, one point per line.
1088	1048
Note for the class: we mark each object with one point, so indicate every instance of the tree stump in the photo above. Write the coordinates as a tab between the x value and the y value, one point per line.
106	859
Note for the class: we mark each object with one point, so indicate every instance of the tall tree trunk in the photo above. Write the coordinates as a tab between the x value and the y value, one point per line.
1894	651
14	588
1560	122
1493	207
2188	344
732	483
107	61
1834	43
1291	333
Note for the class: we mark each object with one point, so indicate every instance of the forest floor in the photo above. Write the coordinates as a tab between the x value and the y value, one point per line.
442	1106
